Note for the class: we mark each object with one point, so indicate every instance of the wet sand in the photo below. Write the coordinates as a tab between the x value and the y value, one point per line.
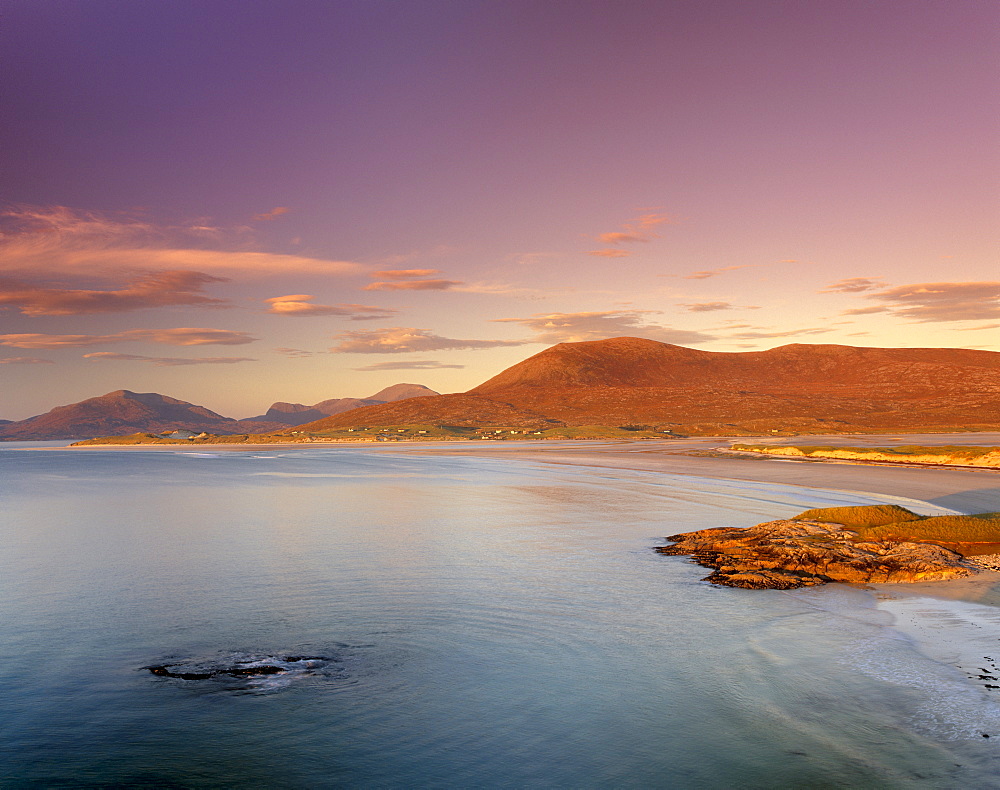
962	490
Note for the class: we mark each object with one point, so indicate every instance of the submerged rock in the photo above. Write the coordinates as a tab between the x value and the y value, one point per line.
786	554
238	666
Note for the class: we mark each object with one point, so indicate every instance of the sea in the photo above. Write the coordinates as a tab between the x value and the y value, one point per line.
438	621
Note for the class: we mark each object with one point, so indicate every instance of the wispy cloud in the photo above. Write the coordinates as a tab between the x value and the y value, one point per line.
609	253
786	333
706	307
166	361
421	364
401	340
24	361
58	239
977	328
854	285
639	229
931	302
183	336
705	274
296	353
299	305
577	327
273	214
413	285
403	274
169	288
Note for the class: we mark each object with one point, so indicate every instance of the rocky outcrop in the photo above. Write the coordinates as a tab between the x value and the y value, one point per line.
786	554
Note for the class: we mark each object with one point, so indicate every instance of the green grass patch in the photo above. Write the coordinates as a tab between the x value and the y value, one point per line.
891	522
901	450
861	515
980	528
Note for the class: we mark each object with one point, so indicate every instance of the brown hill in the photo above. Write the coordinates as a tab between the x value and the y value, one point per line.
297	413
124	412
629	381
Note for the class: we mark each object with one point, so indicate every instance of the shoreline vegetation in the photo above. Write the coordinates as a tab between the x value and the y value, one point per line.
948	455
391	433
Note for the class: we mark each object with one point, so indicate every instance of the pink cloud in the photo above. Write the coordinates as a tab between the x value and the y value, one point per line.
59	239
274	213
705	274
617	237
422	364
404	274
400	340
24	361
414	285
183	336
169	288
854	285
167	361
295	353
299	305
609	253
639	229
705	307
932	302
576	327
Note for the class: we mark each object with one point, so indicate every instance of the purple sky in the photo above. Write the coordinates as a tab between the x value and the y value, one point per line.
237	203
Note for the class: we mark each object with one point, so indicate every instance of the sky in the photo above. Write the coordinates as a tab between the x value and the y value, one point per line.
236	203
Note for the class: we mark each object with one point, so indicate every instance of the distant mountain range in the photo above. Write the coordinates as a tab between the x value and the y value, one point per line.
631	381
620	382
124	412
298	413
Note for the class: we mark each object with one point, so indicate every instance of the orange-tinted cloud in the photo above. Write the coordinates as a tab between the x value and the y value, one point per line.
413	285
24	361
704	275
299	305
609	253
58	239
787	333
161	289
618	237
853	285
705	307
577	327
295	353
274	213
167	361
183	336
401	340
403	274
416	364
931	302
639	229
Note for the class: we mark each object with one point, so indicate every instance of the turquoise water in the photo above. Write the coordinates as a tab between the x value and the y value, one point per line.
488	623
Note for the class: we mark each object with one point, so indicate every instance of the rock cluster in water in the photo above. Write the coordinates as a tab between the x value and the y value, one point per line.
786	554
237	666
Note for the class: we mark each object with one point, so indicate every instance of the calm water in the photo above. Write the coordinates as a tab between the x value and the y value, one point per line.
490	623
